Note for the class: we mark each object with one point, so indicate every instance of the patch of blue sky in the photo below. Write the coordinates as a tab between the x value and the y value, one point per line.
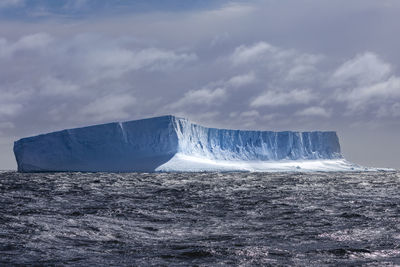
75	9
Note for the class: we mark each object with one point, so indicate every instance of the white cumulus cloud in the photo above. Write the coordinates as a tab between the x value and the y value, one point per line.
27	42
242	80
244	54
379	93
364	69
116	61
365	83
314	111
282	98
200	97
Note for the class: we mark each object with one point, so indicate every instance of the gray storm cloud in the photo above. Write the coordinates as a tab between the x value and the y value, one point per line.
254	65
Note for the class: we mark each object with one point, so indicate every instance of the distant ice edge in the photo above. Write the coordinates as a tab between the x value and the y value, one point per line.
172	144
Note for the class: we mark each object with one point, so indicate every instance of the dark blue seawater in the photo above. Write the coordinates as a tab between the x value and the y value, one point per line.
204	219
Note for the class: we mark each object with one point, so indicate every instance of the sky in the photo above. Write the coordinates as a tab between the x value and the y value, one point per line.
263	64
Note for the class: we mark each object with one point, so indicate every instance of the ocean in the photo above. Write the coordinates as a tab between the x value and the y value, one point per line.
200	219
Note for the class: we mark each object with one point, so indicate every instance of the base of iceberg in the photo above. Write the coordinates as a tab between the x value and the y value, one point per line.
184	163
172	144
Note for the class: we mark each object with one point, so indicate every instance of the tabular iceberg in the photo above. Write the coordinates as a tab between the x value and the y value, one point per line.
170	143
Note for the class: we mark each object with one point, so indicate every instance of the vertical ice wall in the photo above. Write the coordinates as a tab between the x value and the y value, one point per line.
140	145
221	144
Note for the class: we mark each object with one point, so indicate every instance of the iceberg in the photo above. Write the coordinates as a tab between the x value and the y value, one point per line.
173	144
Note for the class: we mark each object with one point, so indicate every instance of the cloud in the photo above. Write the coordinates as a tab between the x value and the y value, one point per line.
385	89
242	80
359	98
7	125
364	69
314	111
215	92
247	119
27	42
75	4
228	11
249	114
271	116
281	98
303	68
11	3
109	107
366	83
10	109
280	65
15	93
57	87
289	60
33	41
245	54
199	117
151	58
389	111
219	39
116	61
204	97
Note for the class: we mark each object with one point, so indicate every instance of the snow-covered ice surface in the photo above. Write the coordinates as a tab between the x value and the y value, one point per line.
172	144
184	163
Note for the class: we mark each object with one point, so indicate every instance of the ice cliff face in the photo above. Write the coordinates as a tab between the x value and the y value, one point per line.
139	145
149	144
221	144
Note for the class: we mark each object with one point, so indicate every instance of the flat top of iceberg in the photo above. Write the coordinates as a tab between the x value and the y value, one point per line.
163	118
178	118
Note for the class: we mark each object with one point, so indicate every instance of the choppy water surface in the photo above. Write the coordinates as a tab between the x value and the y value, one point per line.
199	219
